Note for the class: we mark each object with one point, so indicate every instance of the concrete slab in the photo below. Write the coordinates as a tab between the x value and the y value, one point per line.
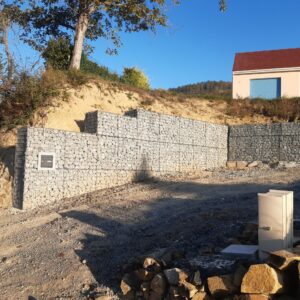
240	251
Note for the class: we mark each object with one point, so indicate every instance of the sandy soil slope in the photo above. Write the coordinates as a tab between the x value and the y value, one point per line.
6	175
111	98
76	248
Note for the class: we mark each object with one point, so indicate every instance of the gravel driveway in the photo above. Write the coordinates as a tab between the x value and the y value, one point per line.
78	246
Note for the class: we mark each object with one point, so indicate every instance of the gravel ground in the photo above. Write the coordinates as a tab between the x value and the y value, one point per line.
77	246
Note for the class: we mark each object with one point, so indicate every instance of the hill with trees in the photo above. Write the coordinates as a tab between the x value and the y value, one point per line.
207	88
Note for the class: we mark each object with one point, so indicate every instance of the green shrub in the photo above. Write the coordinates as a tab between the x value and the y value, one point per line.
57	54
22	96
135	77
88	66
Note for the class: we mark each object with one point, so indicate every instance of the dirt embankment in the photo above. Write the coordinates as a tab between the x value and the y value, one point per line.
7	153
109	97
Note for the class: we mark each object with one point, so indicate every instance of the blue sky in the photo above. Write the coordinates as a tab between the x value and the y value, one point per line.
200	42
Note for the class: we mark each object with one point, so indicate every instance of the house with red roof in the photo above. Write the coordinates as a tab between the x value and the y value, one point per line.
267	74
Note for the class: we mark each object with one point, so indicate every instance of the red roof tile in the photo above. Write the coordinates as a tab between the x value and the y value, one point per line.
285	58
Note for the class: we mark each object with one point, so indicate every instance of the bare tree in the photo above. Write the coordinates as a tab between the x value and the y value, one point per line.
4	29
9	14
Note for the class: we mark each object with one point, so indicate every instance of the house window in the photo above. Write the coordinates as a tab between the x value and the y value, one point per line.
46	161
269	88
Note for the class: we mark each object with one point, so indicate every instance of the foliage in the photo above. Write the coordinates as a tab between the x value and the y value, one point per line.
222	5
44	19
21	97
283	109
207	90
57	54
76	78
135	77
25	94
91	67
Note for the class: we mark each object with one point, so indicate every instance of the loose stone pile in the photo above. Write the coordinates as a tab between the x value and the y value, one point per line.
171	274
156	277
244	165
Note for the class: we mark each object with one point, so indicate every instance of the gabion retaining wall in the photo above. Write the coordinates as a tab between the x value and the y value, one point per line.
19	168
272	142
114	150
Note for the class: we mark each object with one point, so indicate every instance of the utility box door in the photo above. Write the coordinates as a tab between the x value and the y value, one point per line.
289	219
270	220
275	218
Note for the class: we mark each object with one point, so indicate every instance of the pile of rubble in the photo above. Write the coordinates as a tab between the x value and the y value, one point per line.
158	277
244	165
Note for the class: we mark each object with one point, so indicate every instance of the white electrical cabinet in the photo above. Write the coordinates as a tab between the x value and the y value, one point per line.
275	219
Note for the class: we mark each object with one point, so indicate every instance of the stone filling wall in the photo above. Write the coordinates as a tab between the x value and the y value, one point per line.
114	150
19	168
272	142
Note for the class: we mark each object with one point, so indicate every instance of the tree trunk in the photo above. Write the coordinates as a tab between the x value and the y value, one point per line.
10	62
80	31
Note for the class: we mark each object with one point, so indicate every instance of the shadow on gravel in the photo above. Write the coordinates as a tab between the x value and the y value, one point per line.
185	223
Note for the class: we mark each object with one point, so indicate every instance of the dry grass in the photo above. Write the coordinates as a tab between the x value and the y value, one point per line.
287	110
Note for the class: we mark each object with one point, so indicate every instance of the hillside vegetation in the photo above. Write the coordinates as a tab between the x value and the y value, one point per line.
207	89
60	99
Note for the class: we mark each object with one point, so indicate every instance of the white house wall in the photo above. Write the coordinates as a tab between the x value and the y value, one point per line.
290	83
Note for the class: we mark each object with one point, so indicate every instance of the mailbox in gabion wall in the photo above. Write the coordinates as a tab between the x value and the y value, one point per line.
46	161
